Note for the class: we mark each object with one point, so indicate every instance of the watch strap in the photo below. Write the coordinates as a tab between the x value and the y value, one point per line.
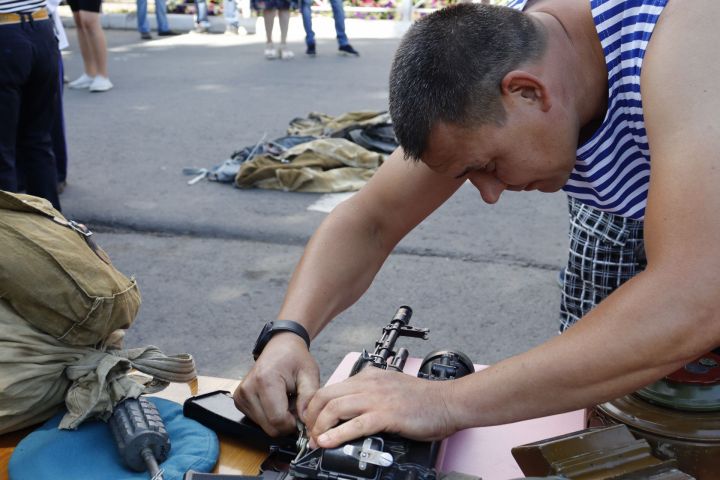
277	326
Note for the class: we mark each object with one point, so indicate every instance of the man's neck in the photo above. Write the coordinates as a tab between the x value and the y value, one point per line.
574	47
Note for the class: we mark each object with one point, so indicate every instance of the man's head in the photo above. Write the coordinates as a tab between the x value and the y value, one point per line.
450	65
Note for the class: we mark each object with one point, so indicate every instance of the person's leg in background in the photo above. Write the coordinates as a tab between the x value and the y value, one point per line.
58	132
92	46
306	12
16	60
339	17
232	19
269	18
90	21
89	67
142	20
162	19
284	19
33	148
202	24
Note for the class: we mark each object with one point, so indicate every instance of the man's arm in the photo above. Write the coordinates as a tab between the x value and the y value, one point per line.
652	325
338	265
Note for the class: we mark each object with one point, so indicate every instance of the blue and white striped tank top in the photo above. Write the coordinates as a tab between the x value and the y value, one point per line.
612	170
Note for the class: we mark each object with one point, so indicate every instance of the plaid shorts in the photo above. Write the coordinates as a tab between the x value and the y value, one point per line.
606	250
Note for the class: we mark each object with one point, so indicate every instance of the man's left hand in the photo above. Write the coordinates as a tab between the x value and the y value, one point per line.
377	400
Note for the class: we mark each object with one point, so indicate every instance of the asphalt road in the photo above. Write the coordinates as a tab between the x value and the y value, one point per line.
213	261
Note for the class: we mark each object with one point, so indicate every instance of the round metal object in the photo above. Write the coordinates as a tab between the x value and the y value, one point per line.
445	365
693	388
692	438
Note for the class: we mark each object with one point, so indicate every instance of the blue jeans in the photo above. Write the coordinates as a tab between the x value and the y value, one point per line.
28	90
338	15
230	12
160	14
201	13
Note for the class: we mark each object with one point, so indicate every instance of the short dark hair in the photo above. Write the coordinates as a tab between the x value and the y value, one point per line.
449	67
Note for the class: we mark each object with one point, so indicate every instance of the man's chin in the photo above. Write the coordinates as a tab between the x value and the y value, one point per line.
548	186
548	189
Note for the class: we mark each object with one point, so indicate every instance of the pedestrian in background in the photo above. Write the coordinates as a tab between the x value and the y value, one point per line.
344	46
58	130
93	48
268	8
232	17
202	24
28	87
161	16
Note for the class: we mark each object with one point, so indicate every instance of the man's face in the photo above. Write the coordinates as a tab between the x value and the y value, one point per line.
524	154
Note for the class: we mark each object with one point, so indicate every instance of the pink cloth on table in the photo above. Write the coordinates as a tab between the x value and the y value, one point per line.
485	451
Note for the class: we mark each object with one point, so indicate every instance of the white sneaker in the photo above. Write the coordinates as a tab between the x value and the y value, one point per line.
231	30
286	54
83	81
100	84
271	53
201	28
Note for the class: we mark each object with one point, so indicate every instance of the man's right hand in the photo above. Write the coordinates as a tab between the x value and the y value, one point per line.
285	372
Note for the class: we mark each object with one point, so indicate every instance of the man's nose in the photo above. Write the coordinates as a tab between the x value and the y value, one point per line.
488	185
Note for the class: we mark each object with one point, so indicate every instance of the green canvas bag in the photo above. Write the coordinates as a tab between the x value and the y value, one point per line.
55	277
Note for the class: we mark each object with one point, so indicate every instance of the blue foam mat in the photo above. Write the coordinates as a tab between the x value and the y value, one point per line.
90	453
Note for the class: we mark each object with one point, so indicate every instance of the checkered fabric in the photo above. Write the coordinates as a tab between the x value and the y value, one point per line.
606	250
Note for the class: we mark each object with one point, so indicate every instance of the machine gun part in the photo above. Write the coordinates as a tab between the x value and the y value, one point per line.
385	347
445	365
386	457
140	436
357	460
193	475
366	455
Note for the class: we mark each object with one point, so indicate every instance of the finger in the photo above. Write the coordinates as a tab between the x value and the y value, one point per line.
266	403
357	427
338	409
324	395
308	383
272	397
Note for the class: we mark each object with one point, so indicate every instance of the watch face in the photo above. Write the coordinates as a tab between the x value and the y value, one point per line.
262	338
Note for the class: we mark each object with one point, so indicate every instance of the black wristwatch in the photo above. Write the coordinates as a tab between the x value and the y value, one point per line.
271	328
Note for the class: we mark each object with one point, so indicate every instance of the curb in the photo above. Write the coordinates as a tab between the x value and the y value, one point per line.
176	21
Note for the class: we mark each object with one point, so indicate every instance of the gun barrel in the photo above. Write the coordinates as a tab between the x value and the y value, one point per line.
384	349
403	315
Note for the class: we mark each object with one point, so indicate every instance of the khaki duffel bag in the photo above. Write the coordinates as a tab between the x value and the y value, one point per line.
55	277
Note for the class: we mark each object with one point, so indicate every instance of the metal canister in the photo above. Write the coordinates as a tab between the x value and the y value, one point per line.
679	416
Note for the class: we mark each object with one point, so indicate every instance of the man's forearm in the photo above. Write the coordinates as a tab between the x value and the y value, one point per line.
643	331
337	267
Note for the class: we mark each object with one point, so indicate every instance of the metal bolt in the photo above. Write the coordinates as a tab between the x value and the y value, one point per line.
708	362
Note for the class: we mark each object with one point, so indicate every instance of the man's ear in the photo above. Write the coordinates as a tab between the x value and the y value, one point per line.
527	88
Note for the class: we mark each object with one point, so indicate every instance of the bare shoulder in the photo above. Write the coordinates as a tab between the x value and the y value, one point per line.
681	58
681	104
681	63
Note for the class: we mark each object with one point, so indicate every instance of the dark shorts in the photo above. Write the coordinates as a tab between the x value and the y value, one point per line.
86	5
606	250
261	5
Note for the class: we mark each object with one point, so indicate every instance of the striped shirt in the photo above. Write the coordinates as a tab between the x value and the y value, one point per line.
612	170
15	6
